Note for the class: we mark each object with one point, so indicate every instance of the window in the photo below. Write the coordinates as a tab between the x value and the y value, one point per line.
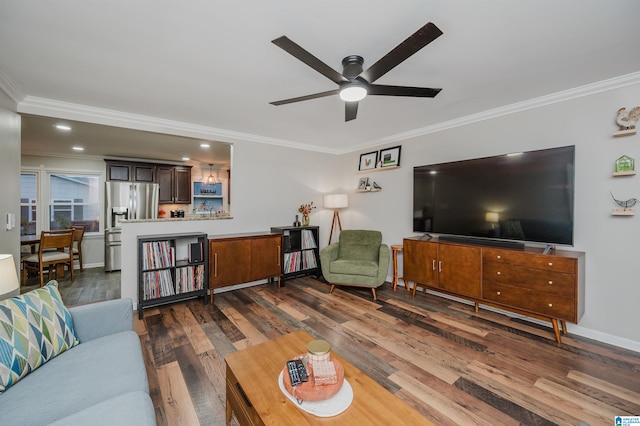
28	203
74	200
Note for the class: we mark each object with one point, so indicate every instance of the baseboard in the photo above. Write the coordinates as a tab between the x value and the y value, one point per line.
599	336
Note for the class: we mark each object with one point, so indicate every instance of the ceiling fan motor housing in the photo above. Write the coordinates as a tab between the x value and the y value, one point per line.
352	66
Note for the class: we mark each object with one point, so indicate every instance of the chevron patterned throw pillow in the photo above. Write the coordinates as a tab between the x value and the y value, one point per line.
34	328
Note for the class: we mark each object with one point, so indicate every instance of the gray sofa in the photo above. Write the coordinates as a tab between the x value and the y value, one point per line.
101	381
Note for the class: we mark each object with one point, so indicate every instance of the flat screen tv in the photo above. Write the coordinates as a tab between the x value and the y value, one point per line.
519	197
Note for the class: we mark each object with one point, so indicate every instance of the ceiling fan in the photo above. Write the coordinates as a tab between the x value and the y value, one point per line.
354	83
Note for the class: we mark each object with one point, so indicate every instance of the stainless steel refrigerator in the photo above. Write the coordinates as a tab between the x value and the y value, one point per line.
125	200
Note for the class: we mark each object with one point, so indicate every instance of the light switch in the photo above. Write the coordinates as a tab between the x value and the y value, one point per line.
11	221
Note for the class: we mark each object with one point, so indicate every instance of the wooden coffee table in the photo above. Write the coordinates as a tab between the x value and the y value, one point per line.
254	396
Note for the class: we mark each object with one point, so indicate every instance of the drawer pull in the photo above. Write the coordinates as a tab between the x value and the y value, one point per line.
550	282
243	395
551	305
499	273
498	293
433	265
550	263
498	257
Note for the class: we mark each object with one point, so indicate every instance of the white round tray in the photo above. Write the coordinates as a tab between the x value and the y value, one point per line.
326	408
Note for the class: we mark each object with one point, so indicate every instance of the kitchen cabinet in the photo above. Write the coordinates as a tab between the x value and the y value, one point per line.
175	184
131	172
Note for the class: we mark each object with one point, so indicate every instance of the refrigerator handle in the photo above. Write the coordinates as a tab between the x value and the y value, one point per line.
133	201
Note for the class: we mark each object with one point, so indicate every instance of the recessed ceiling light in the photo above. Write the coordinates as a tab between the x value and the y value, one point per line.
77	148
186	158
63	127
204	145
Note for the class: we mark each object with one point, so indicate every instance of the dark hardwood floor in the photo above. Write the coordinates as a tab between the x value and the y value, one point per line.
454	366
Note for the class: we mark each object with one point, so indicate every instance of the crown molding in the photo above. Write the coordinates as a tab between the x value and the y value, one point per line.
578	92
70	111
10	87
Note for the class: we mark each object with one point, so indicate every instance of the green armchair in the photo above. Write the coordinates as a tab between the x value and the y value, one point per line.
358	259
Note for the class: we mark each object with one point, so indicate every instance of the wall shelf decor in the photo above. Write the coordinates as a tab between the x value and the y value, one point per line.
626	206
625	166
626	120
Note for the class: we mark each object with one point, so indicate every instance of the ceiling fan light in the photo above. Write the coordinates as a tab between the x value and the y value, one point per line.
353	93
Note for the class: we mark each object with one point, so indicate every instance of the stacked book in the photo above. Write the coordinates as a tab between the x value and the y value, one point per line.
157	284
308	242
157	254
299	260
189	278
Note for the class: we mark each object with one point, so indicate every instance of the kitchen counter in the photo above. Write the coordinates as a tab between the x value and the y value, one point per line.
180	219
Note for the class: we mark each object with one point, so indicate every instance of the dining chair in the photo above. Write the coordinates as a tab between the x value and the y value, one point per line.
78	234
62	254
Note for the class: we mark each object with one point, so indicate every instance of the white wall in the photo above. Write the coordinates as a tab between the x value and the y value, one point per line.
9	169
610	242
268	184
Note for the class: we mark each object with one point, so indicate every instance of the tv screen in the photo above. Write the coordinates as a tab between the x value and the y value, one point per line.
525	196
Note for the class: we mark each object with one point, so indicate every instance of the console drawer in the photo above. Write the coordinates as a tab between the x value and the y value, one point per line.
532	260
557	283
542	303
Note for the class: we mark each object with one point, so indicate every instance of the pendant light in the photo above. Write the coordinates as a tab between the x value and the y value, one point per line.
211	180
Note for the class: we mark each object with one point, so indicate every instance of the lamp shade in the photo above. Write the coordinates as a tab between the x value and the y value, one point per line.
9	284
492	217
336	201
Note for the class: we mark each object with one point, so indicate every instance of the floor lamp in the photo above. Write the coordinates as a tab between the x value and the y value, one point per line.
9	284
335	202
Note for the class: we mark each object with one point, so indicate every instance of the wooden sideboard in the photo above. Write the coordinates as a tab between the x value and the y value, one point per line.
241	258
549	287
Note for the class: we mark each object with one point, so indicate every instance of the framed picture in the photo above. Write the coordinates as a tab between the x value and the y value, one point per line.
362	185
390	156
368	160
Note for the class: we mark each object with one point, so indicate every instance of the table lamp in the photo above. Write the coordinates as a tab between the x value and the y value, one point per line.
335	202
9	284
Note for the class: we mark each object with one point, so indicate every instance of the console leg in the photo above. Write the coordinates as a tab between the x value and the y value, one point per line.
477	307
556	331
563	323
415	286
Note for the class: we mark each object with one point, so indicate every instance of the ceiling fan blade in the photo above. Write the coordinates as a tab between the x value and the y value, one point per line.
306	98
350	111
418	92
411	45
295	50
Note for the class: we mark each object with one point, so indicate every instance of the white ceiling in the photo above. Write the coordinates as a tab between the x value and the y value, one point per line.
210	63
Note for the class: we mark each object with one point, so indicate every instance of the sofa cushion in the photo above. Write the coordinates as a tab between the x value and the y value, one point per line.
84	376
133	408
34	328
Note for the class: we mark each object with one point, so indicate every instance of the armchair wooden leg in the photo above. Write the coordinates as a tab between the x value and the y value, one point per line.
373	290
331	289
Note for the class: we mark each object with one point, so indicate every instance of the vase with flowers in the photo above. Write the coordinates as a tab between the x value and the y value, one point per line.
305	209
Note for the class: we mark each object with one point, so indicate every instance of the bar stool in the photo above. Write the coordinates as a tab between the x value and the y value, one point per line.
395	248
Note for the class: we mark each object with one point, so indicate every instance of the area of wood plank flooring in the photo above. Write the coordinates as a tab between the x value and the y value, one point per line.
455	366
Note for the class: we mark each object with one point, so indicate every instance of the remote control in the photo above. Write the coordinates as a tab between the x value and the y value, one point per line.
297	372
